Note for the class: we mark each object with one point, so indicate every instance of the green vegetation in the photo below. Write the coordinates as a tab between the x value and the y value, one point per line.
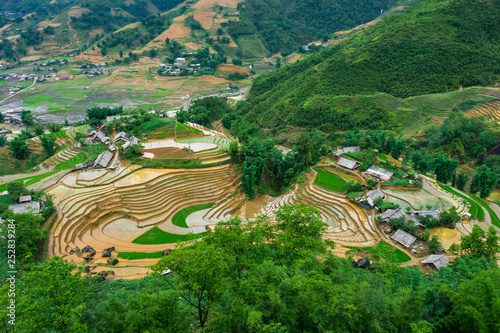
104	101
139	255
284	28
385	249
77	159
179	219
475	210
29	180
158	236
329	180
441	45
94	151
493	215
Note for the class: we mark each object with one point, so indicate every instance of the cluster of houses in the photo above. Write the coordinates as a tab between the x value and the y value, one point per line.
13	116
53	62
94	69
186	64
21	77
105	158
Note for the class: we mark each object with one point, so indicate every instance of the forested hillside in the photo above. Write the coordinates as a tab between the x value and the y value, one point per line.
284	25
436	46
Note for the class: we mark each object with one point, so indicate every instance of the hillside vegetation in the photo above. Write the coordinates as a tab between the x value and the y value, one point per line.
434	47
283	26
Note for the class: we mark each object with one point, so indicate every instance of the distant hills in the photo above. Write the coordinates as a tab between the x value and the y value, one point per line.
436	46
250	29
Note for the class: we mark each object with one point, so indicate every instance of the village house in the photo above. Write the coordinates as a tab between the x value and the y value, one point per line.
348	164
436	261
380	173
29	208
24	199
370	197
344	150
403	238
103	160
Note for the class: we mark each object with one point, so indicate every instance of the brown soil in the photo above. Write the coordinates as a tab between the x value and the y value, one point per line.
359	27
233	69
170	153
400	8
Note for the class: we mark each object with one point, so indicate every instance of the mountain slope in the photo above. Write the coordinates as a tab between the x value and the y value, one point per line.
434	47
284	25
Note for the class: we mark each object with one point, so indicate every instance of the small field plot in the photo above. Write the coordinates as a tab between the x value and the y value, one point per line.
158	236
139	255
329	180
179	219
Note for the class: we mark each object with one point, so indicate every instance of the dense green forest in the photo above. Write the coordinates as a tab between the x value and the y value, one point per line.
260	277
436	46
284	25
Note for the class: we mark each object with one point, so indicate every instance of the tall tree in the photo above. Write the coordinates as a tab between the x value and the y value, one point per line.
53	297
480	244
462	178
19	148
48	142
484	181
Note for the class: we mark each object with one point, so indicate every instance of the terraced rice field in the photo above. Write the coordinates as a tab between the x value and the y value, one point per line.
146	211
118	213
329	180
180	131
491	110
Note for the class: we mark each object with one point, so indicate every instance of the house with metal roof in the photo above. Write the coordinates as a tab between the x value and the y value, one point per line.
103	160
133	141
370	197
380	173
392	214
352	149
403	238
434	213
100	136
348	164
24	199
436	260
122	136
29	208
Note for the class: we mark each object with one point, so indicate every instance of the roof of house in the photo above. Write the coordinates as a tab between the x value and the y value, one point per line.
24	198
348	150
121	136
434	213
438	260
103	159
347	163
392	214
380	172
100	136
372	195
30	207
410	220
403	238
